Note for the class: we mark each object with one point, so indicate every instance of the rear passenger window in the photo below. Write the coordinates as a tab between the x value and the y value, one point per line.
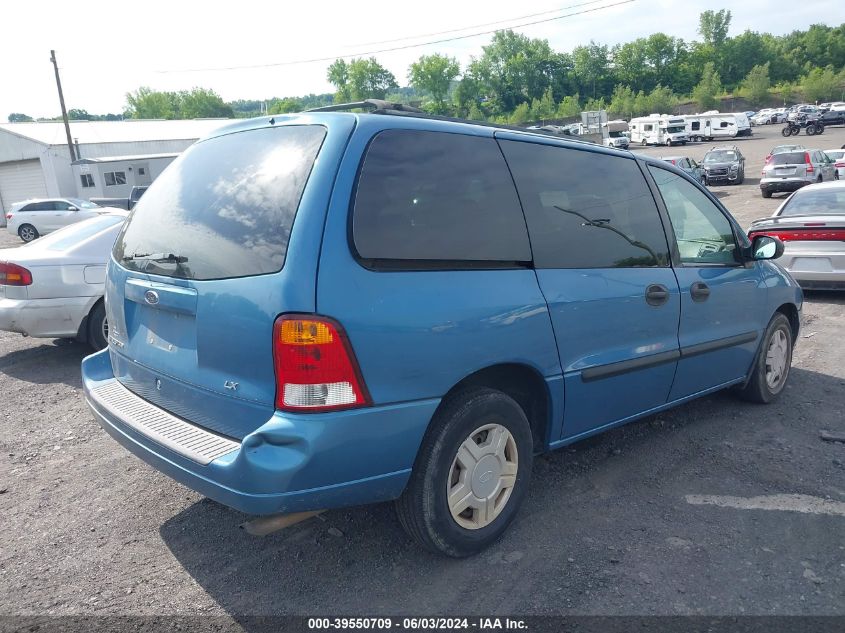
437	197
586	209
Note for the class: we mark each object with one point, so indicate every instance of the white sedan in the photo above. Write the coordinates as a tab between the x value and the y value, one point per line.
53	287
33	218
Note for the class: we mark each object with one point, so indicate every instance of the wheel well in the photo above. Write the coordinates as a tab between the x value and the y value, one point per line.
82	333
522	383
791	312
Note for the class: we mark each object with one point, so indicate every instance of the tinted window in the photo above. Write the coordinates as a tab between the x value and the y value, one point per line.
704	234
586	209
40	206
814	202
225	207
789	158
437	196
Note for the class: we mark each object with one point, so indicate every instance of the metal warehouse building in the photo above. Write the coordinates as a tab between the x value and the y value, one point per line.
35	160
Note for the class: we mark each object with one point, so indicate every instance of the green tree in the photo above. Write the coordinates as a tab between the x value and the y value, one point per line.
622	101
713	26
591	67
786	91
146	103
520	115
369	80
569	107
821	85
338	76
544	108
475	113
77	114
202	103
434	74
707	89
19	117
757	83
284	106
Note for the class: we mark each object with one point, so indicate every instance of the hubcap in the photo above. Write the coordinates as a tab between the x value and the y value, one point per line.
777	366
482	476
104	328
27	234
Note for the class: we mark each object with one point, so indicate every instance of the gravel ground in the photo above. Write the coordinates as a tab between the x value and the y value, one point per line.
614	525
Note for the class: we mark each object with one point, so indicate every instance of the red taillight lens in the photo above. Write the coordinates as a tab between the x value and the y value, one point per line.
14	275
315	366
8	216
807	235
839	165
810	168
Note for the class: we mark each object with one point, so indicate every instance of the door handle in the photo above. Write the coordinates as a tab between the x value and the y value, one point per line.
700	291
656	295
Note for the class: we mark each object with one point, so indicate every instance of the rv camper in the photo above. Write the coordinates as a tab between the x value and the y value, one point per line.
658	129
715	125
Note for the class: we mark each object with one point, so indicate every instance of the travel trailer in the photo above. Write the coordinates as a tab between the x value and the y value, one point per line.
615	134
658	129
715	125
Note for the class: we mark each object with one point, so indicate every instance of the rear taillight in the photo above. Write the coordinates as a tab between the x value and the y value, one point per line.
14	275
315	366
806	235
8	216
810	168
839	165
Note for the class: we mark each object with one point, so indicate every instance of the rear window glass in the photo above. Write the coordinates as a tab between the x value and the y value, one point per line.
433	196
223	209
789	158
818	202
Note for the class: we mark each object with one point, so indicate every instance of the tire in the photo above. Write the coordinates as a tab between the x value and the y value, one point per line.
98	327
811	130
27	232
796	131
771	367
766	193
819	128
424	509
703	181
787	131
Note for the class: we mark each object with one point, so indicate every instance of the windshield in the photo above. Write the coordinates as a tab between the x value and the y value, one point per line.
674	129
720	156
818	202
75	234
224	208
83	204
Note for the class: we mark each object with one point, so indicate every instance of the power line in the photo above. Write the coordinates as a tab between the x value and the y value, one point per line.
391	49
481	26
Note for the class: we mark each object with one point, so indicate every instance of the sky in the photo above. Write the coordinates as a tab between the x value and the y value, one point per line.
106	49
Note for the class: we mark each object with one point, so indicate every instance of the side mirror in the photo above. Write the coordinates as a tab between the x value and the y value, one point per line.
72	209
766	247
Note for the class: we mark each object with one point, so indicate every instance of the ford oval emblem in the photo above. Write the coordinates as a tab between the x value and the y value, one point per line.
151	297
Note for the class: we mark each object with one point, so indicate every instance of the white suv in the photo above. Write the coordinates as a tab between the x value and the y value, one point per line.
32	218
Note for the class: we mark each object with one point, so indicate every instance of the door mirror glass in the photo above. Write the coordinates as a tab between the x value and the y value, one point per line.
766	247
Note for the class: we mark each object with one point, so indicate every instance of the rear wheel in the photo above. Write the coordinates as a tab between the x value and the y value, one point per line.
811	130
766	193
98	327
771	368
787	131
27	232
471	474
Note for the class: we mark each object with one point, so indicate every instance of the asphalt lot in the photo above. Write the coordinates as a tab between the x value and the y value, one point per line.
658	517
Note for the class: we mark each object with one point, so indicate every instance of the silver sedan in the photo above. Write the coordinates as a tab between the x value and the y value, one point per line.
811	224
53	286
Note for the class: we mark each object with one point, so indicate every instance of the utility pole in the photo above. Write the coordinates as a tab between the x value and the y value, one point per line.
62	102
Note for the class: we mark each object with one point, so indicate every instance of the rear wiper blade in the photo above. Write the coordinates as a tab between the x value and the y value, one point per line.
159	258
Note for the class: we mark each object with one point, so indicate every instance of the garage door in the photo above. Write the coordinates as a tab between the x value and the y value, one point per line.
20	180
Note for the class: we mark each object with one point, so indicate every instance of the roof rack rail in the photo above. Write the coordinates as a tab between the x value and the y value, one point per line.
378	105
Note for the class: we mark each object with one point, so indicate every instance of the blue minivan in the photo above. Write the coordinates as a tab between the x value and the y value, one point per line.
329	309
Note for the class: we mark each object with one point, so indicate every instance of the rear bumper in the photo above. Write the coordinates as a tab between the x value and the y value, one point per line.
293	462
44	318
777	185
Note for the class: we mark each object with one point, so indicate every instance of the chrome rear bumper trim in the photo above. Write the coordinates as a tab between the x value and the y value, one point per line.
189	440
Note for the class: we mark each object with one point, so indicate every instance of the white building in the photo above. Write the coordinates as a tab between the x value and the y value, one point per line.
35	161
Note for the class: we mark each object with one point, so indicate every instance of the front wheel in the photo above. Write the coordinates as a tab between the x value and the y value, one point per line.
811	130
771	369
27	232
787	131
796	130
766	193
471	474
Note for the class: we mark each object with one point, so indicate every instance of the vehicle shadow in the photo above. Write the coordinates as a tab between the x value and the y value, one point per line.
49	363
596	496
